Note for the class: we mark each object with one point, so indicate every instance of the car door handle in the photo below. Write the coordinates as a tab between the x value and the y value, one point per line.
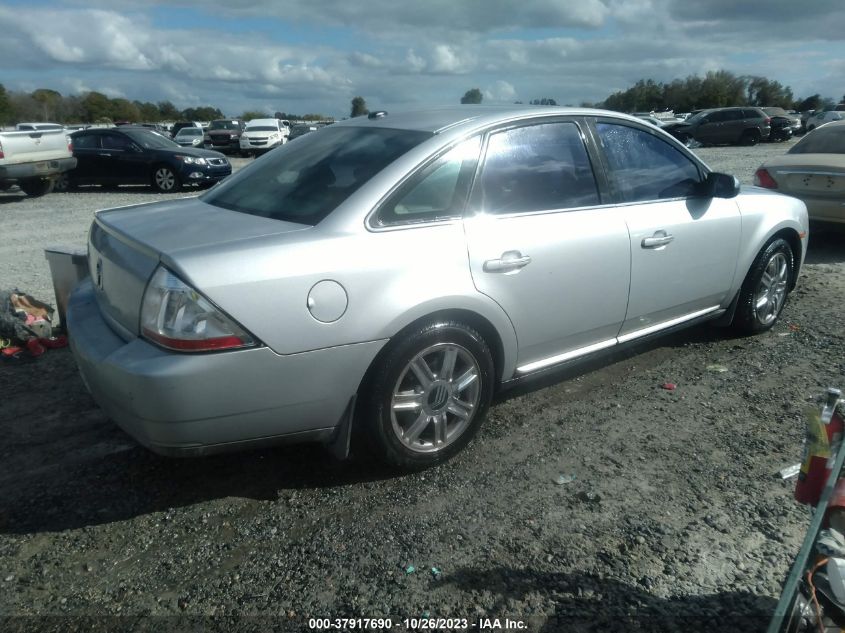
660	238
104	154
509	261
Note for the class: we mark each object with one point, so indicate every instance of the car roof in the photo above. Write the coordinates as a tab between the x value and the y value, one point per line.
436	120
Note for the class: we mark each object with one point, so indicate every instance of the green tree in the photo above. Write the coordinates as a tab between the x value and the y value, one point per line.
202	113
473	95
96	107
167	111
147	112
50	102
124	110
254	114
6	113
763	92
359	107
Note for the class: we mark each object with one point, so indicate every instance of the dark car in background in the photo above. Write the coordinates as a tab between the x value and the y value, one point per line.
784	125
723	126
138	156
224	135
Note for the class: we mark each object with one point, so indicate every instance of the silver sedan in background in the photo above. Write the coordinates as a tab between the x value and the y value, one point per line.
390	273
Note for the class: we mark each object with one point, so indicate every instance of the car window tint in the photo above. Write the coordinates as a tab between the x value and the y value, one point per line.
85	141
715	117
645	167
536	168
438	191
304	181
115	142
825	140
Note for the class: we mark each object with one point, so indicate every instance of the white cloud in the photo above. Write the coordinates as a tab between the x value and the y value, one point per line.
500	91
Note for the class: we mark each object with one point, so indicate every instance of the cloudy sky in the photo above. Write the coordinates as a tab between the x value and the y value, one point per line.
315	56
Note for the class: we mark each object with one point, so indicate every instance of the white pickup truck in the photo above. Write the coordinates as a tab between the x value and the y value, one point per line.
33	159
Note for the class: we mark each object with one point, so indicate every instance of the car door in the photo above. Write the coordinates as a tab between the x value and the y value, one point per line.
542	245
86	147
684	246
121	160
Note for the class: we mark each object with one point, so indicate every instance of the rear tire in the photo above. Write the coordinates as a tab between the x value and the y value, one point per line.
428	396
765	289
63	183
36	187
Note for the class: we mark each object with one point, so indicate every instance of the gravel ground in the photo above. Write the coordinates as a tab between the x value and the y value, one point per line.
676	518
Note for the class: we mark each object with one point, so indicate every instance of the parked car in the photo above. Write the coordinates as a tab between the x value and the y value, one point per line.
39	127
392	273
224	135
784	125
813	170
262	135
189	137
722	126
135	155
301	129
820	118
34	159
651	119
176	127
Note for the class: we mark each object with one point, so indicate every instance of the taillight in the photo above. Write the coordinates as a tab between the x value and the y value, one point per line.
2	155
763	178
69	144
177	317
768	120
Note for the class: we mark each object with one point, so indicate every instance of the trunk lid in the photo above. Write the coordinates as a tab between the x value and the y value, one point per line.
126	245
820	175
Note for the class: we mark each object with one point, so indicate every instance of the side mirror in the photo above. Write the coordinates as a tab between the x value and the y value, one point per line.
718	185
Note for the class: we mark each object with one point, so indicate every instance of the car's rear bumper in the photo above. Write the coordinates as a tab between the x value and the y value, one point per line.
37	169
178	403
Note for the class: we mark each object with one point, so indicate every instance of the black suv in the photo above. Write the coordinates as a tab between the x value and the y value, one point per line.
224	135
724	126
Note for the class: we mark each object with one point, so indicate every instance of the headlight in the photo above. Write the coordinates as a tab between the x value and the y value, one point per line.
177	317
192	160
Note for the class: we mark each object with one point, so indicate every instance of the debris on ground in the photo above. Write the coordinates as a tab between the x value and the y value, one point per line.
788	472
563	478
716	369
669	386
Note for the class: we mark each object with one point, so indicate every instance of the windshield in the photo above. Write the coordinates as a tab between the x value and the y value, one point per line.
151	140
306	180
190	131
695	118
774	111
261	128
829	139
224	125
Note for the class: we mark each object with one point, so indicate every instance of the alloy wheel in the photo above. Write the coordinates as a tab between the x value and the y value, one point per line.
165	179
771	291
435	398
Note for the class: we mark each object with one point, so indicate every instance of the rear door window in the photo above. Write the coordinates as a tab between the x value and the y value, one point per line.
438	192
86	141
643	167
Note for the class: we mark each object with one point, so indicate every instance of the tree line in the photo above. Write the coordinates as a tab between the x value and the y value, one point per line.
716	89
94	107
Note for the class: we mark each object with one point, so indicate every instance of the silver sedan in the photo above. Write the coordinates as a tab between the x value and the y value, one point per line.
388	274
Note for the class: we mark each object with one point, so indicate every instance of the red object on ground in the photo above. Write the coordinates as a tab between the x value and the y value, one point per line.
54	343
35	348
823	442
668	386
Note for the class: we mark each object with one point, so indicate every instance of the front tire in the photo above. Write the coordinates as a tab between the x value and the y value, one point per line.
765	289
165	180
429	395
750	138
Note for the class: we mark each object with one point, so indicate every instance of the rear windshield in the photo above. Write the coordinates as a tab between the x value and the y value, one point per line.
224	125
826	140
306	180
